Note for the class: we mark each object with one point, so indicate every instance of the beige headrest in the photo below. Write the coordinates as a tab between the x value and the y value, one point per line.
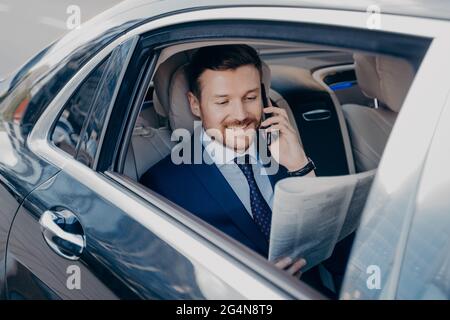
386	78
179	112
171	90
162	80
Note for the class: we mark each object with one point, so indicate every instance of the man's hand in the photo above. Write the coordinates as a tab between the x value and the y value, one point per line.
286	150
292	267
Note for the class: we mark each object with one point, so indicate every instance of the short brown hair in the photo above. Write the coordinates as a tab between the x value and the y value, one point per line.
220	57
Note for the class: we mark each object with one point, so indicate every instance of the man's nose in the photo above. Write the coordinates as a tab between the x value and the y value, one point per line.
239	111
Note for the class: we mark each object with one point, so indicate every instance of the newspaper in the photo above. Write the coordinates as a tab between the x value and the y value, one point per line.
310	215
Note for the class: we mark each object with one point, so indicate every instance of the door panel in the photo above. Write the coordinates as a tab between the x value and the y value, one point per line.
425	270
92	97
20	173
34	270
122	259
8	208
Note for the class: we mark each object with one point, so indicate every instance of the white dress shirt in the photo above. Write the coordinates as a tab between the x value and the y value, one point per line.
223	157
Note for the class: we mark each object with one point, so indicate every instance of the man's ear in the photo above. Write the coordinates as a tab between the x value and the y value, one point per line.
194	104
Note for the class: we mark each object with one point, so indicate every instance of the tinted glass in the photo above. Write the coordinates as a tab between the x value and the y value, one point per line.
66	134
103	101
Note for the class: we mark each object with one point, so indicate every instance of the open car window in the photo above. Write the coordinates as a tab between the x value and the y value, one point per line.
341	197
316	113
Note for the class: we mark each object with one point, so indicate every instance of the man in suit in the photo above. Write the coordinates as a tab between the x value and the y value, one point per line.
231	188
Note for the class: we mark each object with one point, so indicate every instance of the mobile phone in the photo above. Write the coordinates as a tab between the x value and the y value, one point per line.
265	103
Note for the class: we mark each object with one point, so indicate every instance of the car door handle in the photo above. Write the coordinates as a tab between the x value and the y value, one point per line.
317	115
63	233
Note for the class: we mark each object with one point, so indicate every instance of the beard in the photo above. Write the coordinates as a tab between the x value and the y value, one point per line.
239	135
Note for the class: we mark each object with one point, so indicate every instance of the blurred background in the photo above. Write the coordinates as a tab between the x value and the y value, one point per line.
27	26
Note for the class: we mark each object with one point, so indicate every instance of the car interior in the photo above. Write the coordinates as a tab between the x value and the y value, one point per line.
342	103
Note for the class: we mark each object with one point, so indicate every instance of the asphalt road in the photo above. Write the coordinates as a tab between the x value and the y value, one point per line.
27	26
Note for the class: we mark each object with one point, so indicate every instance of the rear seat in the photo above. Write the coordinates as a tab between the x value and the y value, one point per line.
388	80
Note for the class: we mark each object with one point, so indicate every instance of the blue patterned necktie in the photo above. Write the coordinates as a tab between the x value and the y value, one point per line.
262	214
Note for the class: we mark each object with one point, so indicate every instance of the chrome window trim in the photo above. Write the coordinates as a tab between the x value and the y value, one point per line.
250	285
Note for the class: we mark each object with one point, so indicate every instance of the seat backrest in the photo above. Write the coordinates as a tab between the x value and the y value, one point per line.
149	143
388	80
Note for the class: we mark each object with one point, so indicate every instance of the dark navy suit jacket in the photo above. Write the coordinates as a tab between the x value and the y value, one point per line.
202	190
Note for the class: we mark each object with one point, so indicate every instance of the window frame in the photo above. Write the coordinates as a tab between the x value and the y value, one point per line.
94	103
195	32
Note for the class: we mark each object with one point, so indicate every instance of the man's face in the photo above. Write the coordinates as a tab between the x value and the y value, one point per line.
230	105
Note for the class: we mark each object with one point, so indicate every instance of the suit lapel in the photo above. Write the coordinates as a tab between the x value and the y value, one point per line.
219	189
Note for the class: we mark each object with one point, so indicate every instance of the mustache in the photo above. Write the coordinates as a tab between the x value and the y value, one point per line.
242	123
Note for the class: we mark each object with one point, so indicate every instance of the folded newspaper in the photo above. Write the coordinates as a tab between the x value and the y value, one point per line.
310	215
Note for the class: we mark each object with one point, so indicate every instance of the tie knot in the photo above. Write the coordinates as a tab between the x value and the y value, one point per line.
244	160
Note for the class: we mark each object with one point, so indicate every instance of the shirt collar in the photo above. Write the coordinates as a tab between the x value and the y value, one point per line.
221	154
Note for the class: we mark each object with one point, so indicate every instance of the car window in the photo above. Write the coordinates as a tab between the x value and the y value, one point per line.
78	129
104	98
207	198
150	147
66	133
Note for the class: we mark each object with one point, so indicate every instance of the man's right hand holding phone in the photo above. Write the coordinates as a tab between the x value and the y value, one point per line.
286	149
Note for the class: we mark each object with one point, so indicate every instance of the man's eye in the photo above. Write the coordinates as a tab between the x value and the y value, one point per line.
221	103
251	98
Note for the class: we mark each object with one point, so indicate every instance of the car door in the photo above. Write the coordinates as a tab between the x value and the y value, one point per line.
82	235
425	268
404	229
48	238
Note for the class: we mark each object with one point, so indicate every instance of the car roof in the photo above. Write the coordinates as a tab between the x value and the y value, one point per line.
130	13
134	12
435	9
